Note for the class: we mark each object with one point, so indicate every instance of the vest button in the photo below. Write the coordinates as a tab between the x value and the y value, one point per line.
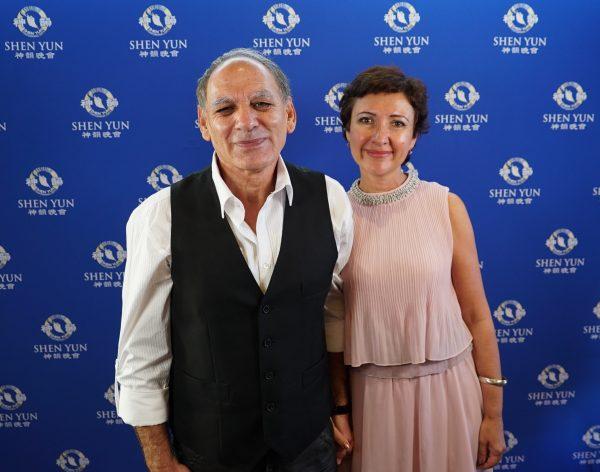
267	343
266	309
269	375
270	407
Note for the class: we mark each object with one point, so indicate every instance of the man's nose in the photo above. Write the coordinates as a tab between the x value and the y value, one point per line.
246	118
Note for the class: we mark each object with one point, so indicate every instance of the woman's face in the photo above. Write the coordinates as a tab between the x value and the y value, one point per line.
381	133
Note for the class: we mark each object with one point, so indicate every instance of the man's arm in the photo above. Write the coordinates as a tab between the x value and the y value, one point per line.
157	449
144	354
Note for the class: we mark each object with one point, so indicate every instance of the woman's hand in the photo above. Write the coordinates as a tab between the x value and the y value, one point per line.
491	442
342	434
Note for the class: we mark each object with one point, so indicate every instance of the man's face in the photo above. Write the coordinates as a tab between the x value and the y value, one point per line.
246	119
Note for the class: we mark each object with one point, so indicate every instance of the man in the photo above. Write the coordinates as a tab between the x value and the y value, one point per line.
222	334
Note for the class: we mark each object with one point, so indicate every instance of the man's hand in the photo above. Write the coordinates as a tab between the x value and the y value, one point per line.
342	433
157	449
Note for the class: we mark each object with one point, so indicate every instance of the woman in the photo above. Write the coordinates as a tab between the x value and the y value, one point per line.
425	371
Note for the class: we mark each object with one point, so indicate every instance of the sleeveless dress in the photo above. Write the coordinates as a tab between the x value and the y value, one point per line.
416	399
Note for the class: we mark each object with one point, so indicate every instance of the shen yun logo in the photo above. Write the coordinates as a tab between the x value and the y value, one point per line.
520	18
569	96
109	254
593	330
516	171
281	18
561	242
58	327
163	176
592	437
4	257
461	96
332	123
510	461
509	313
157	20
11	397
44	181
552	377
32	22
72	460
99	102
109	417
402	17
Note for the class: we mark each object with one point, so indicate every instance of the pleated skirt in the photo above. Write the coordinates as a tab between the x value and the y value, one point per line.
423	423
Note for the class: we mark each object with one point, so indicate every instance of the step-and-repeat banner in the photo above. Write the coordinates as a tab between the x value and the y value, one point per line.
97	112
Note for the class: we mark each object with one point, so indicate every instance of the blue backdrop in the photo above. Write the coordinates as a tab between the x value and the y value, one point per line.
97	111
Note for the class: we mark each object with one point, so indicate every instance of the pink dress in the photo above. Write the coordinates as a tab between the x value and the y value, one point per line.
417	403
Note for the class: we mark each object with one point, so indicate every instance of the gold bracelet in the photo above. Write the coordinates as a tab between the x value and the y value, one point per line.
497	382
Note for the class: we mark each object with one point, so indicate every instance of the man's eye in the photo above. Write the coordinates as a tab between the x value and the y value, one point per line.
224	110
262	105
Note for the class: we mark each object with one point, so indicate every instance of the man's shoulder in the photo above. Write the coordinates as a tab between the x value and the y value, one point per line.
200	177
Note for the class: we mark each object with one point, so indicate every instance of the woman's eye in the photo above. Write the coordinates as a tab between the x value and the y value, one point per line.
398	123
365	119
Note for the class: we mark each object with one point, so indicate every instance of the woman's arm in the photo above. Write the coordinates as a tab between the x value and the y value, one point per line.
468	285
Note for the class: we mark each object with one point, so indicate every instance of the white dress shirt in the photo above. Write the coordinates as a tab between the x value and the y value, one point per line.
144	355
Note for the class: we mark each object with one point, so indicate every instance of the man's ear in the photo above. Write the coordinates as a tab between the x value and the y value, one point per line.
202	124
291	117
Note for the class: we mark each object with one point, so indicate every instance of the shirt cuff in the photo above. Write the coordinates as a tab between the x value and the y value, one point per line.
142	408
334	335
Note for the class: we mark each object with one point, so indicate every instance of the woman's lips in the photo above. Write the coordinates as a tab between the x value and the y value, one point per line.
374	153
250	143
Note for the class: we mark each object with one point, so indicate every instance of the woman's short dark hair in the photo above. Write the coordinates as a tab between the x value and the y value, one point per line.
386	79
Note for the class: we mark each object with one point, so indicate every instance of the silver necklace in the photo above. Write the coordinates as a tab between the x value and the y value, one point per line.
400	193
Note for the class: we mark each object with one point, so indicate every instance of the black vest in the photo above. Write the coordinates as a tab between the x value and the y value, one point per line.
249	371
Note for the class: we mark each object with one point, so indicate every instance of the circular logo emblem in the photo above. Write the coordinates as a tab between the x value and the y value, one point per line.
281	18
462	96
163	176
402	17
72	460
44	181
509	312
510	440
99	102
334	95
157	20
4	257
110	394
592	437
109	254
569	96
520	18
515	171
11	397
561	242
596	308
32	22
553	376
58	327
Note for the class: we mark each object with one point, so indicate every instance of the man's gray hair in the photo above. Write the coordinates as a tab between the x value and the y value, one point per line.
243	53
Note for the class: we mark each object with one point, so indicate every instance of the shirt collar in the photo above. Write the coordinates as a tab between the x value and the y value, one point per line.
227	199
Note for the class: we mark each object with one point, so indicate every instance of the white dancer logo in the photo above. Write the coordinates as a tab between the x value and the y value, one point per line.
11	397
510	440
569	96
109	254
109	395
592	437
157	20
334	95
72	460
516	171
163	176
509	312
58	327
520	18
44	181
4	257
99	102
32	22
402	17
553	376
561	242
281	18
462	96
